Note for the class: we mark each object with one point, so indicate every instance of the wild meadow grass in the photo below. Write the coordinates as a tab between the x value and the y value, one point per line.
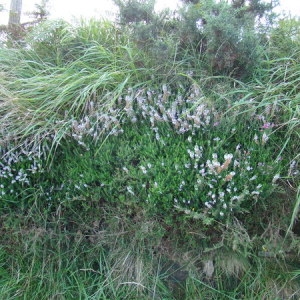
117	182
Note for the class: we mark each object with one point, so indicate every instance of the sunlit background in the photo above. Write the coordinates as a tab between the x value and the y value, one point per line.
70	9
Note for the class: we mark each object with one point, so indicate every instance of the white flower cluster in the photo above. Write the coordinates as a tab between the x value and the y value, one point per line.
214	187
220	185
184	114
95	124
17	166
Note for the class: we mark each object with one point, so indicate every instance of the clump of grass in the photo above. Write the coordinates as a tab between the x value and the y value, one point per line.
97	251
43	92
275	99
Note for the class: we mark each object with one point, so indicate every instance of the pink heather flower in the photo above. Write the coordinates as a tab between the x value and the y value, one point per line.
268	125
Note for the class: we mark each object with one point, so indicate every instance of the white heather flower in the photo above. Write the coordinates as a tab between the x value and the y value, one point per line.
191	153
264	138
236	163
292	168
255	138
216	164
228	156
143	169
224	205
189	139
202	172
236	198
198	151
221	214
253	178
255	193
149	165
275	178
208	205
157	136
130	191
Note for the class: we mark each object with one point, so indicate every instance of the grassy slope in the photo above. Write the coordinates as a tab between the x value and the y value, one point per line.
98	151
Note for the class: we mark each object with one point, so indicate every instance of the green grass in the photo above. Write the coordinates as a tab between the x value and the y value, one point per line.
276	99
100	254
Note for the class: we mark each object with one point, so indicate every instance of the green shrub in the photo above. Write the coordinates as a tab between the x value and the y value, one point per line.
167	154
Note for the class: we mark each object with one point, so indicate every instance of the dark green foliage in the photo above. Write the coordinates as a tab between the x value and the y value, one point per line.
135	11
223	37
285	38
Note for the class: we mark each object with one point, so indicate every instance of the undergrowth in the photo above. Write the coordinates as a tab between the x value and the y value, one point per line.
123	179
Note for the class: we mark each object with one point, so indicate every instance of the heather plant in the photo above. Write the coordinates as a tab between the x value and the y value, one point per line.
168	154
21	171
